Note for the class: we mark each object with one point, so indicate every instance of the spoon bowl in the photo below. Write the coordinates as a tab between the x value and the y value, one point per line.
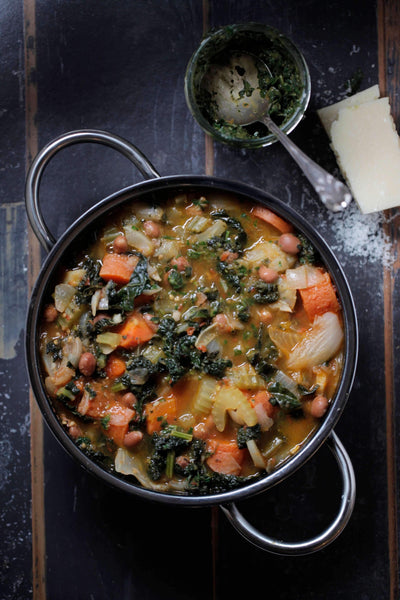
235	89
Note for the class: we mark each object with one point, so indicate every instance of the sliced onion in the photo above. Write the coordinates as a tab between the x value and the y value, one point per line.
234	323
154	213
83	326
284	340
214	346
74	277
215	230
287	296
271	254
129	464
153	273
139	376
104	303
153	291
287	382
117	318
304	277
138	240
255	454
168	249
207	336
63	294
72	350
94	303
197	224
319	344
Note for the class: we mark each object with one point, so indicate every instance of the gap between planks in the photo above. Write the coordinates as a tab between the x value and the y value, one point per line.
36	430
388	17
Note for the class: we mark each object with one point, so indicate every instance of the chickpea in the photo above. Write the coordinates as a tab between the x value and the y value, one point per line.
289	243
87	364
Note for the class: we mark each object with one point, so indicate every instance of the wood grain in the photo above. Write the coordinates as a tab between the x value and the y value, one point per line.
389	80
36	430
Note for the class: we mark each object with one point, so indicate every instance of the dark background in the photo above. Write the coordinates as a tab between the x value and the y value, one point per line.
119	66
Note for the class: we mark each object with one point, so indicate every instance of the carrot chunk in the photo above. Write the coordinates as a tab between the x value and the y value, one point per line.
320	298
135	331
227	457
118	267
159	412
272	219
115	367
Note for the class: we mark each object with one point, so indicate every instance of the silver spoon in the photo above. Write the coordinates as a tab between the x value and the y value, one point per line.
236	99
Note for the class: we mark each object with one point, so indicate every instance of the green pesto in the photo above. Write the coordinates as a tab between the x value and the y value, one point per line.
283	85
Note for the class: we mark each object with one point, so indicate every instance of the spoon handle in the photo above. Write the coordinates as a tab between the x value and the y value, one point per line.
333	193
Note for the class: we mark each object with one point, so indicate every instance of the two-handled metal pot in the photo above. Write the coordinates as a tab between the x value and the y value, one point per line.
75	237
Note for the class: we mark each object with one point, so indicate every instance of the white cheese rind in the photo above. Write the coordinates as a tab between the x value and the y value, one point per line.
367	148
329	114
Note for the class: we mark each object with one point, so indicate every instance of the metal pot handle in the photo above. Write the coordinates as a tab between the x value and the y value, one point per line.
40	162
318	542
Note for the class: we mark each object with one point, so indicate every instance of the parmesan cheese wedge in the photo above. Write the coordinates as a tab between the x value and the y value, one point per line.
367	148
329	114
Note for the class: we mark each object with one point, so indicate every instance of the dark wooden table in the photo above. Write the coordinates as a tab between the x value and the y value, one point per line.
119	66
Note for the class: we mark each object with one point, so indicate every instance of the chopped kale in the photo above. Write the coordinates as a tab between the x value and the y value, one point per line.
235	238
265	293
305	391
247	89
264	354
89	284
231	275
70	386
244	434
90	391
105	421
204	482
124	298
283	397
86	446
243	309
163	443
307	254
181	354
175	279
55	350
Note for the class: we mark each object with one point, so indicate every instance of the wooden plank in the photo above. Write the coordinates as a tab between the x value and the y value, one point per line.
389	81
130	81
337	40
37	466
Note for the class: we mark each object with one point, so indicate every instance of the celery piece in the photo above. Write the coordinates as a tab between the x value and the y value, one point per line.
169	466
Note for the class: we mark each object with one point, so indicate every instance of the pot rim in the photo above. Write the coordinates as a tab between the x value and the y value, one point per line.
163	185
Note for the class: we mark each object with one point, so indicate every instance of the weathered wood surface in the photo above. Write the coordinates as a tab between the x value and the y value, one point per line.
120	66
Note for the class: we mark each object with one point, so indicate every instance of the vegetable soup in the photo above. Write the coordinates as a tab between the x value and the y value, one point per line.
195	345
